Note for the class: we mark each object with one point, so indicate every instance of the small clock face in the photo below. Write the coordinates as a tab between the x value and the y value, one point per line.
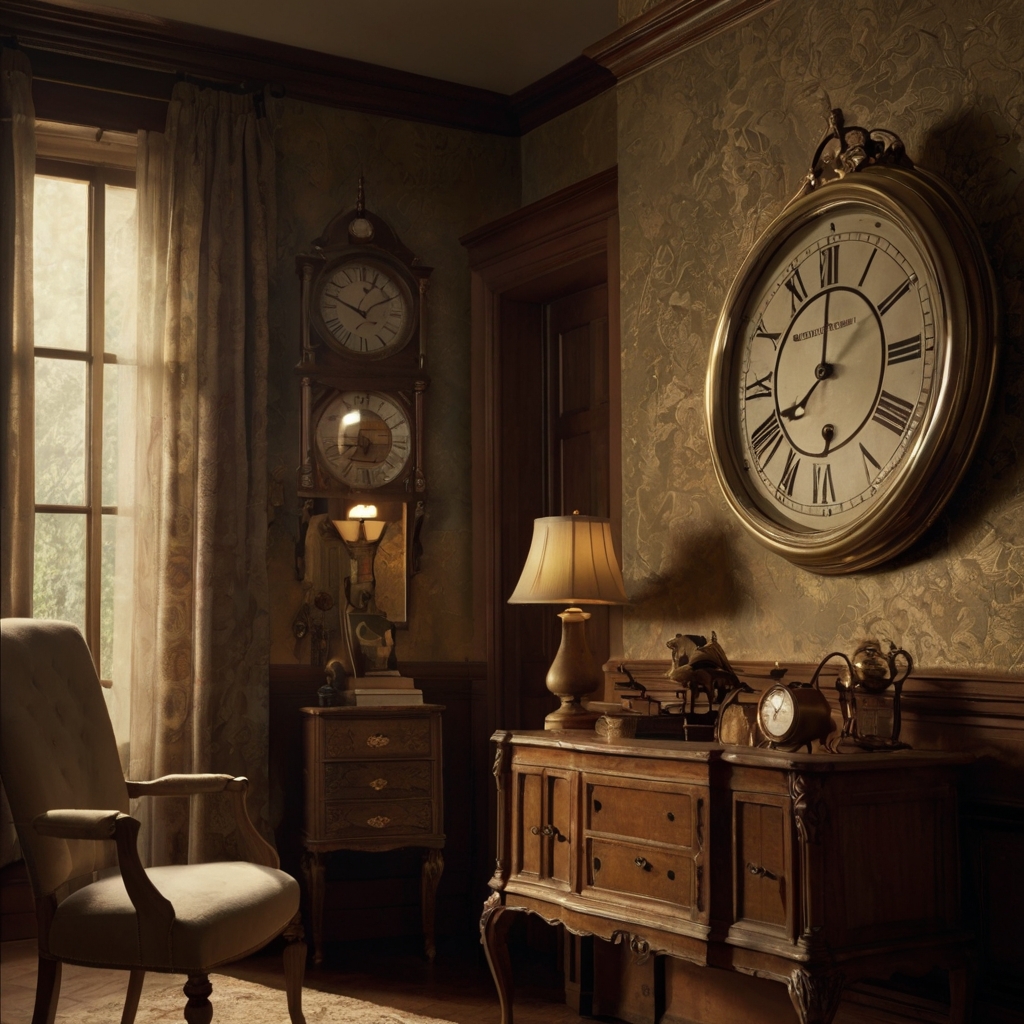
777	712
852	368
364	438
836	366
365	307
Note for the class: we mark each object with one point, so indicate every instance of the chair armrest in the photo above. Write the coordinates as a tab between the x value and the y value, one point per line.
181	785
155	912
68	823
260	851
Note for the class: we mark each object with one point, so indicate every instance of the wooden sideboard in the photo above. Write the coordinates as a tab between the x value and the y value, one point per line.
372	782
811	870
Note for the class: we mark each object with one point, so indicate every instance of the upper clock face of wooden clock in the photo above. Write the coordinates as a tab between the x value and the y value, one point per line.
365	307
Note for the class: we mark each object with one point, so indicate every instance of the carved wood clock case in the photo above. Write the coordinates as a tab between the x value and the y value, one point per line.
362	366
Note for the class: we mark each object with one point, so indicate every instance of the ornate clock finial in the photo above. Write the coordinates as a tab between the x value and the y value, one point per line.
360	229
360	203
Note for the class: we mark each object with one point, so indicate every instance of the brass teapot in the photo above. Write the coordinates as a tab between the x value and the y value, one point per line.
871	716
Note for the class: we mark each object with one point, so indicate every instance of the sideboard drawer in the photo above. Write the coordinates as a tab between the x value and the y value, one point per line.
378	737
374	819
636	870
369	780
636	809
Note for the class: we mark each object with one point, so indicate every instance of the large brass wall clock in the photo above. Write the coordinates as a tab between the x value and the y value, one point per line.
854	359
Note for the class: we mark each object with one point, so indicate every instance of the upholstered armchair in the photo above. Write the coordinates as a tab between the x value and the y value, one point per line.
96	904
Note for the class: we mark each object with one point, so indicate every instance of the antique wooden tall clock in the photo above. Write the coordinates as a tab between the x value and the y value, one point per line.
362	366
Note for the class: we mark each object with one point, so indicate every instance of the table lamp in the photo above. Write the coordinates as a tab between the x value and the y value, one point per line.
571	561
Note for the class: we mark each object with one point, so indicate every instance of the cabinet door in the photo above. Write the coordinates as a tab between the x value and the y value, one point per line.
763	866
542	809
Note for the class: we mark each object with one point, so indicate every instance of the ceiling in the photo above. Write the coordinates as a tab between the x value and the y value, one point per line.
501	45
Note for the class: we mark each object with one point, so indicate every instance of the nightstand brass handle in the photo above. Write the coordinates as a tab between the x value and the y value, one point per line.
549	830
534	830
379	822
378	739
756	869
378	784
641	862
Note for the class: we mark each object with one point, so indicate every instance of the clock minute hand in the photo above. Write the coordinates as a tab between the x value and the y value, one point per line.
355	309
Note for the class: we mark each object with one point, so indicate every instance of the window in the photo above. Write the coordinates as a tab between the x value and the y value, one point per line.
84	296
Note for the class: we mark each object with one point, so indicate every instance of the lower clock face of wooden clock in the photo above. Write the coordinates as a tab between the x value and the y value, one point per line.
364	438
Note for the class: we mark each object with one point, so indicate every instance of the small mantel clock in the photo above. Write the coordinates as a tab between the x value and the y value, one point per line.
362	366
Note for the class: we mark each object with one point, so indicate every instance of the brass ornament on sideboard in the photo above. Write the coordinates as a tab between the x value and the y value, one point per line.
854	359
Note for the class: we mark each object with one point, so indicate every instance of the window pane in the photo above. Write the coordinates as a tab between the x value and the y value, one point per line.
118	432
60	432
119	306
58	590
61	263
109	529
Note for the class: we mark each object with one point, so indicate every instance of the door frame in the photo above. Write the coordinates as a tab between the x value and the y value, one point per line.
547	248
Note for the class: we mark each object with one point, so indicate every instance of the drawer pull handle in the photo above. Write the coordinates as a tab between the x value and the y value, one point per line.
671	876
670	816
641	948
597	805
756	869
378	739
641	863
378	822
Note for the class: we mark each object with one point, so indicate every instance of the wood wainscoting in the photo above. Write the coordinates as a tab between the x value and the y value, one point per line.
981	712
389	884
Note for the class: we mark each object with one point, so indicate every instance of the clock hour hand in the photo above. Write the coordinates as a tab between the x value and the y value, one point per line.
797	409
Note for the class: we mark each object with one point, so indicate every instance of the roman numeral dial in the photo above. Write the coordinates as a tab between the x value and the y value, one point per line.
836	363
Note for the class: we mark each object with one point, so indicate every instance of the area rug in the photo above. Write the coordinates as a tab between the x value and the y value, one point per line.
242	1002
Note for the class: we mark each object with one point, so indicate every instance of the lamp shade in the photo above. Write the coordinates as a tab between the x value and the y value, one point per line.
571	561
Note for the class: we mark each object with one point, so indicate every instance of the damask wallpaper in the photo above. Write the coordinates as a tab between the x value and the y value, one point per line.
432	185
710	146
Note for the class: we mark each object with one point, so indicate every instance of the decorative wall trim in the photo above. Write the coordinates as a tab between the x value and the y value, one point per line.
566	87
955	697
120	68
667	29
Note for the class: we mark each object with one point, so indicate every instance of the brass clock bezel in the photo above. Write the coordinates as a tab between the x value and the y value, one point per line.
966	321
407	285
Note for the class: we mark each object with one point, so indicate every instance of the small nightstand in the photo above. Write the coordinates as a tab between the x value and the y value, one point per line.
372	782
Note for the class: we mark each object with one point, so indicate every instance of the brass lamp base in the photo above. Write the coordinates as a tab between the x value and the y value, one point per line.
573	675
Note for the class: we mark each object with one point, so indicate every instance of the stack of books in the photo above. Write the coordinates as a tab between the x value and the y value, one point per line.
383	690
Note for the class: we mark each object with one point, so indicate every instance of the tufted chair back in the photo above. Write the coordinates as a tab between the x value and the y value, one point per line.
57	747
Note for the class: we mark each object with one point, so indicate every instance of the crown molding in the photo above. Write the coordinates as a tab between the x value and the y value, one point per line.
666	30
564	88
155	44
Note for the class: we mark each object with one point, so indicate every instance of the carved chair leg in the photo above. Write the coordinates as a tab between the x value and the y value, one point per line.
47	991
430	876
131	1001
295	967
494	926
316	880
198	1009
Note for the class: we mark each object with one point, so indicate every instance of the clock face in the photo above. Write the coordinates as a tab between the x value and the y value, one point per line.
365	307
836	366
853	365
777	712
364	438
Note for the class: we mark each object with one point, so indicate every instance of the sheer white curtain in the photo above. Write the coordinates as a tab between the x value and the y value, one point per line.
200	655
17	498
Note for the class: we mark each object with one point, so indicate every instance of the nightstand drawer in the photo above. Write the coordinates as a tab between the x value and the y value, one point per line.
636	870
376	780
378	737
373	819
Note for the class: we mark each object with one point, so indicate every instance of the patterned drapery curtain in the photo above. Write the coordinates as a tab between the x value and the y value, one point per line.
200	658
17	403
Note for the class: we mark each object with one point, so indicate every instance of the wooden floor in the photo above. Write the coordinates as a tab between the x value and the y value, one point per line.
457	987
